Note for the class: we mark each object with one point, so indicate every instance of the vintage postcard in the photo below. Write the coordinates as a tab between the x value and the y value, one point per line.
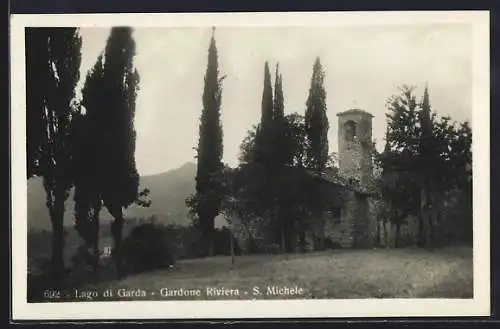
250	165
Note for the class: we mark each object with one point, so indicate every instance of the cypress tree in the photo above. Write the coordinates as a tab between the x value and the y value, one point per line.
427	158
317	120
267	100
279	106
118	176
88	199
279	124
53	62
279	157
209	151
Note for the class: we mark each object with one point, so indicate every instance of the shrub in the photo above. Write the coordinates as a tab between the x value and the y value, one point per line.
146	248
329	244
184	241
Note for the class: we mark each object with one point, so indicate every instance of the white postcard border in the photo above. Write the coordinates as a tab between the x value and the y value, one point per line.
478	306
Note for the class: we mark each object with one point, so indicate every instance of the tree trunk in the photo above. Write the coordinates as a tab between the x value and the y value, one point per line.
423	220
378	238
302	237
209	236
116	232
292	238
57	220
426	209
231	245
95	244
421	231
282	234
397	238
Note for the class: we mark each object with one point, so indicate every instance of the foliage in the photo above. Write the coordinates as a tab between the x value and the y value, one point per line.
206	202
258	191
316	119
53	57
115	122
267	111
146	248
425	157
106	173
87	195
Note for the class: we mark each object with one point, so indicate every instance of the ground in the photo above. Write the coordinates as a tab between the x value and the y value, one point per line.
378	273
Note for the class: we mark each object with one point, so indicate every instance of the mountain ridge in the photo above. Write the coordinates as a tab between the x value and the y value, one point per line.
168	191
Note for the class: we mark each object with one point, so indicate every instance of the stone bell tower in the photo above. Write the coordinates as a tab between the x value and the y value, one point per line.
355	145
358	225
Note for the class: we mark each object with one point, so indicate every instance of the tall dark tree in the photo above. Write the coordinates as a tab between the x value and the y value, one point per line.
279	106
400	175
317	124
87	196
206	203
427	156
114	129
53	57
267	115
280	157
278	197
38	73
265	133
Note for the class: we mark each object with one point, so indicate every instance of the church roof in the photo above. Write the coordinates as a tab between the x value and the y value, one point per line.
332	178
355	111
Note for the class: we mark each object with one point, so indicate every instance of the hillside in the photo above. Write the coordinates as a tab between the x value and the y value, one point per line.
168	192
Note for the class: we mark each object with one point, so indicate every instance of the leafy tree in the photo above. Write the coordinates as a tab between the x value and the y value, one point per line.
280	198
206	202
53	57
423	160
317	124
446	148
400	181
295	145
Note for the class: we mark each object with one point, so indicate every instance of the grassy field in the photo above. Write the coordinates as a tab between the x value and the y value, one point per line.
379	273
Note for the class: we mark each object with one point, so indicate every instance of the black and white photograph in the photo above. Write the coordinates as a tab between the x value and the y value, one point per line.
250	165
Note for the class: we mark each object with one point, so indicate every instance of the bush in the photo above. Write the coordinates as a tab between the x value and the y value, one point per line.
184	241
329	244
146	248
38	265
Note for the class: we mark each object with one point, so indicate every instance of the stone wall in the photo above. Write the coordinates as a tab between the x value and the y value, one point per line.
356	226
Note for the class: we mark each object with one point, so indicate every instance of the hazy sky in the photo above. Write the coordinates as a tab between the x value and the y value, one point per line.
364	66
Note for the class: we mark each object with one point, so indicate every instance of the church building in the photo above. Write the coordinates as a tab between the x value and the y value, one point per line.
349	219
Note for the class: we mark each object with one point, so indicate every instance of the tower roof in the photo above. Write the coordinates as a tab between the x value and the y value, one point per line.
355	111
